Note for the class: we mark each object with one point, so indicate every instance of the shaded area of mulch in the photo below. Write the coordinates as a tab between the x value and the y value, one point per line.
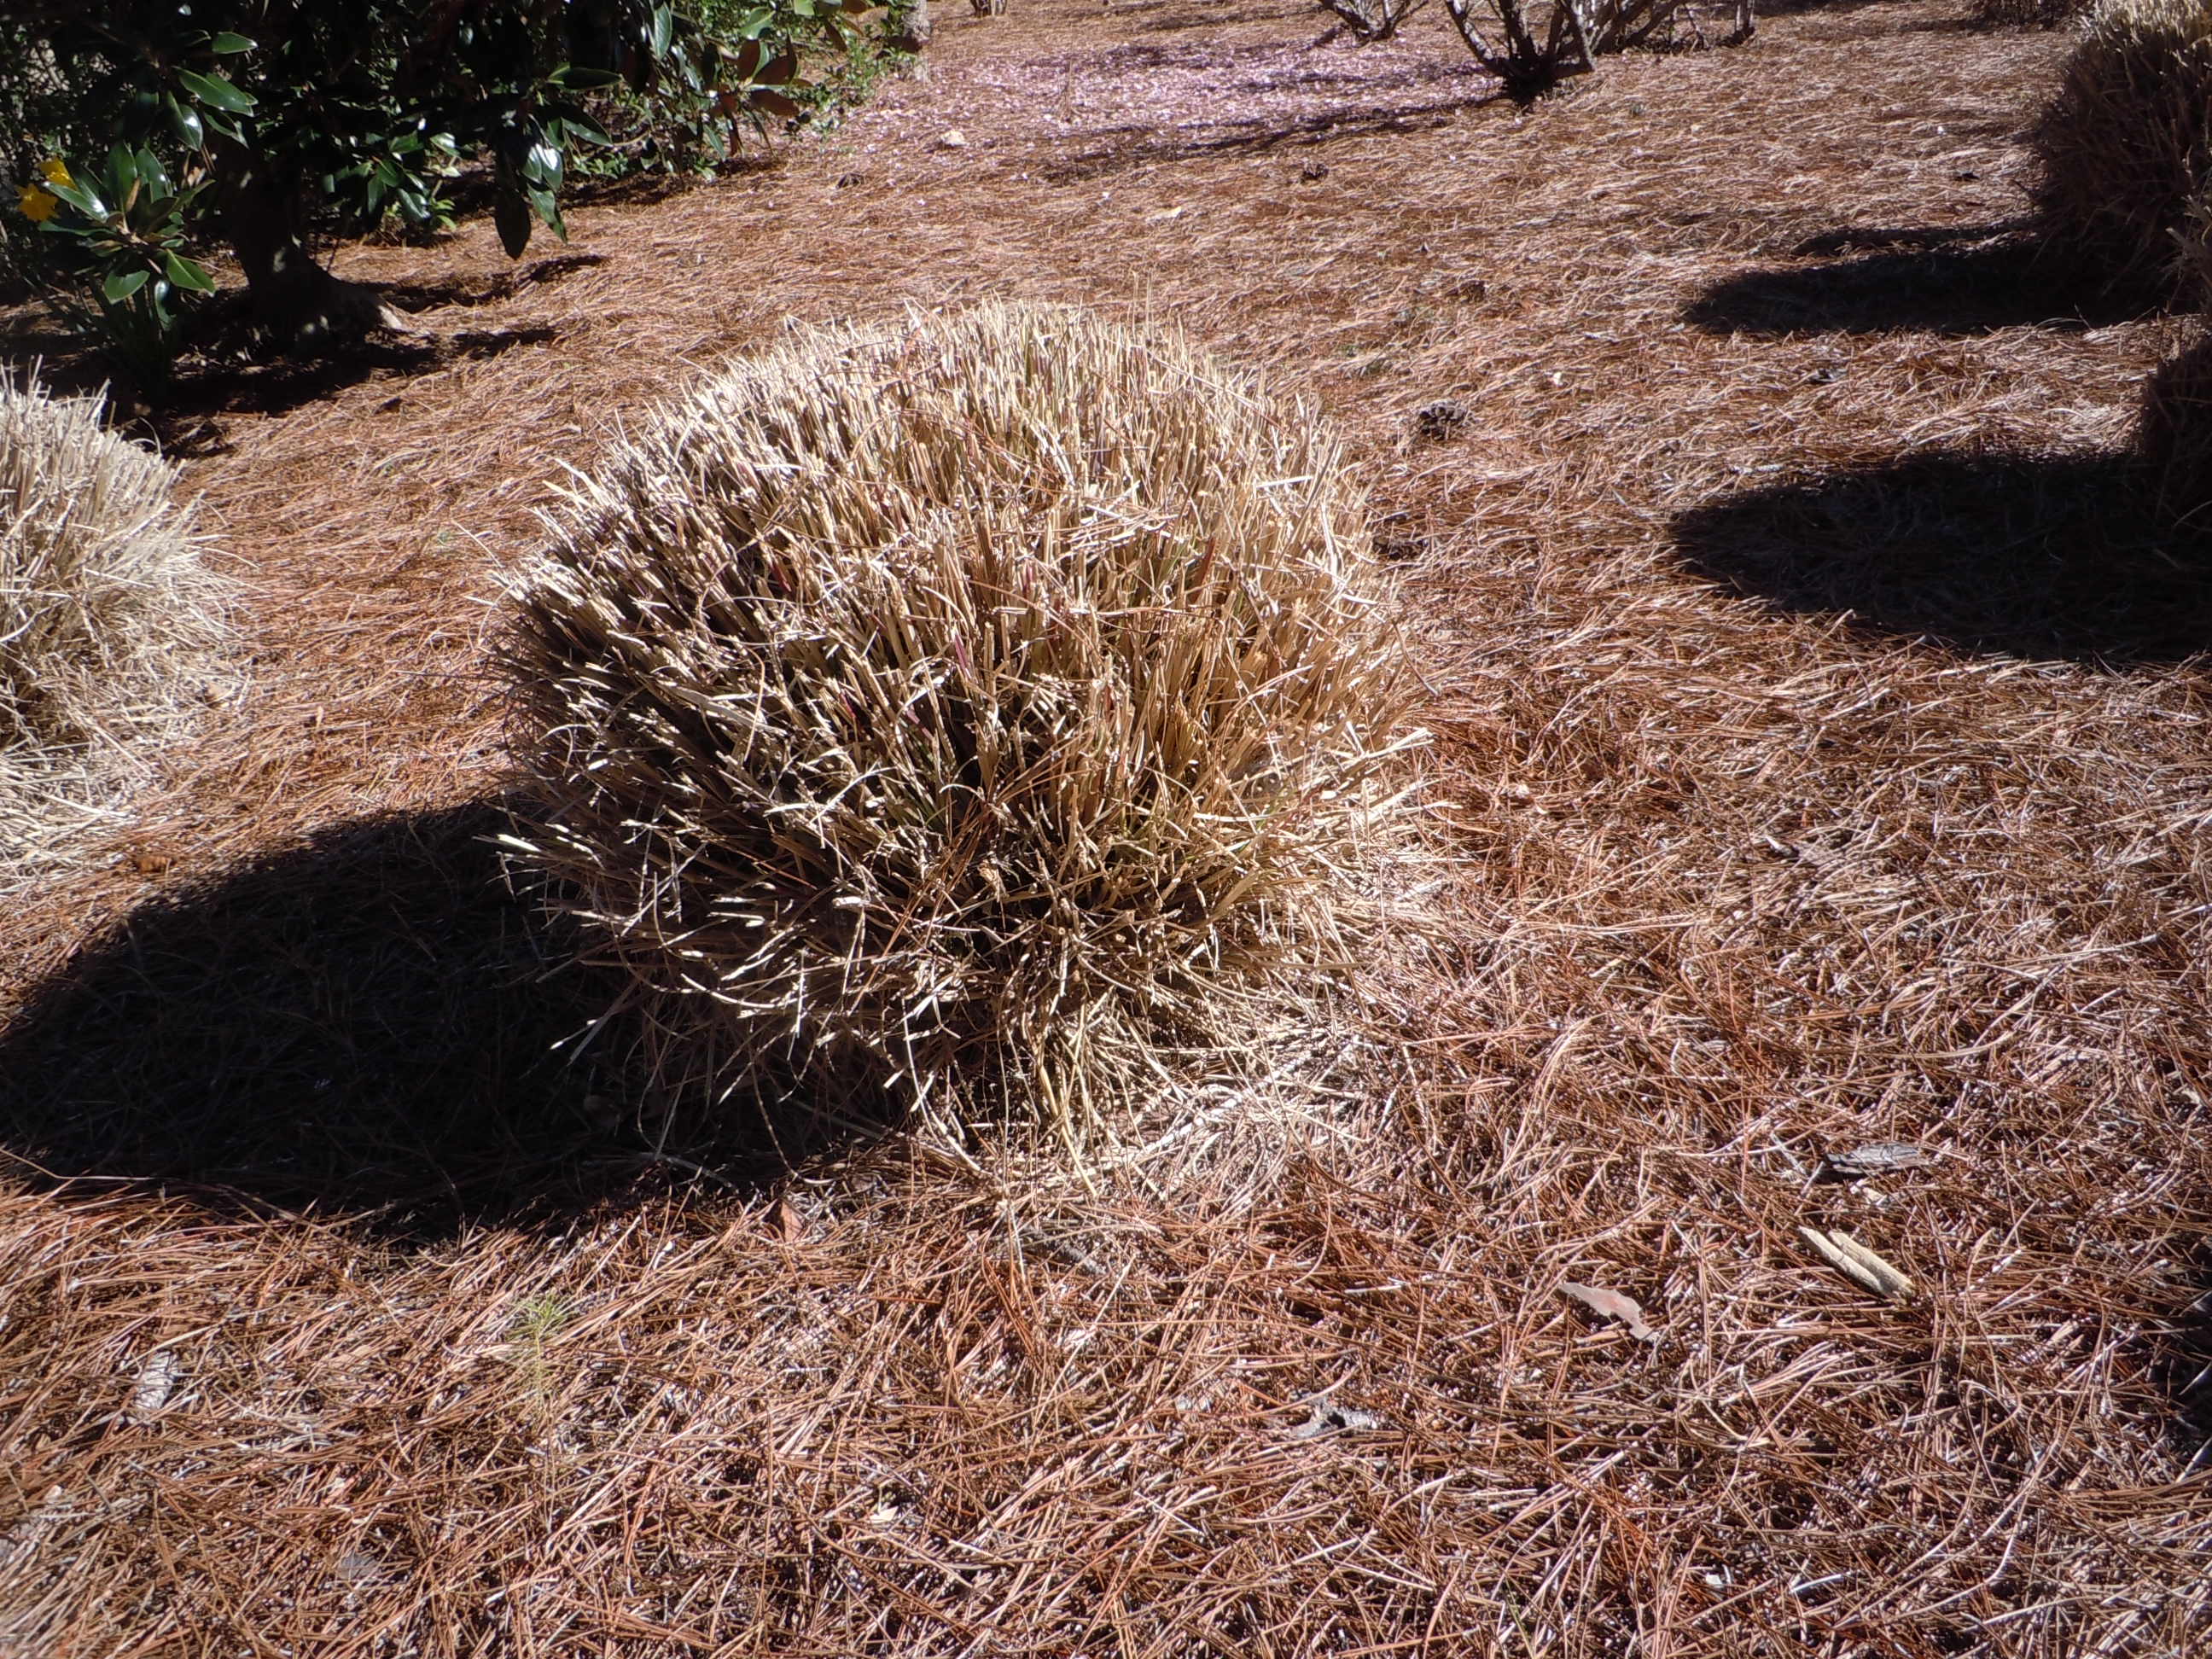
224	373
1958	281
371	1022
373	1027
2025	555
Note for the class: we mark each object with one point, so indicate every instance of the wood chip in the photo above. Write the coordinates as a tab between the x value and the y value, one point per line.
1860	1265
1334	1419
1883	1158
1612	1305
20	1542
157	1377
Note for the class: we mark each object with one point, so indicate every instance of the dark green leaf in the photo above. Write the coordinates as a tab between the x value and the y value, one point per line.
542	165
122	284
579	79
227	43
184	121
153	175
580	125
548	208
82	200
664	30
510	214
186	273
216	92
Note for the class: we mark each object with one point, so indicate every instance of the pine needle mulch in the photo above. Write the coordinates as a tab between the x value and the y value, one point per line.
1824	744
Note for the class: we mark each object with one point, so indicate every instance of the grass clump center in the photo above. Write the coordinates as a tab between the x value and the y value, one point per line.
968	714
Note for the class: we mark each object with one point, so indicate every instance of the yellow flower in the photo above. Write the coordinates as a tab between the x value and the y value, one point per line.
37	205
55	169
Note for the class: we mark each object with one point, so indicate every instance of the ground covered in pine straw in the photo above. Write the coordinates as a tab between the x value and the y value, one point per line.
1826	754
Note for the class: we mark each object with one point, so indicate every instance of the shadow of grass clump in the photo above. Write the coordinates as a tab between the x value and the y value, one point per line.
2003	553
1131	147
374	1026
1960	281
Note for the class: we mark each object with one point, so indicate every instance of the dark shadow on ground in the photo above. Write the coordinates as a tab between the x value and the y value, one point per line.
1149	146
371	1027
1968	280
2012	554
1211	17
2182	1364
488	291
185	421
226	376
279	385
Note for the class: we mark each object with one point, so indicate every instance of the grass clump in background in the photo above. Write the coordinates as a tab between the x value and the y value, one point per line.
108	613
963	715
2173	434
2121	151
2173	417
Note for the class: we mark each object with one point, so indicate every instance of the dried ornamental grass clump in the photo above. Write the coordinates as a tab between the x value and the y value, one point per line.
2121	151
2173	416
2173	434
107	616
963	715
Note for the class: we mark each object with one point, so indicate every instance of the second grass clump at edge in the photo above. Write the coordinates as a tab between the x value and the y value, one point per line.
111	622
978	716
2122	149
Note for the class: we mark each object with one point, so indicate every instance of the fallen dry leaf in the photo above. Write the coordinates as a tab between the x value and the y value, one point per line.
151	861
1612	1305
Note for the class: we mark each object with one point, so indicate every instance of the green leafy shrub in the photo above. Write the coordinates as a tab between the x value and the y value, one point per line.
108	611
282	121
2121	150
967	713
119	239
